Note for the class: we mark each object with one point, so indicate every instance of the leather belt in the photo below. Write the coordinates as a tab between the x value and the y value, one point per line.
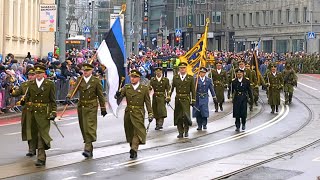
135	107
159	93
37	104
86	102
183	95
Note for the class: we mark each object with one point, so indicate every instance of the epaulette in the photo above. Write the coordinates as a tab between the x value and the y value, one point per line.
233	79
153	78
127	85
247	78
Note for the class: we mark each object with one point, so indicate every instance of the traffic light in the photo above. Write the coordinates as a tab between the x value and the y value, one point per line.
88	42
177	39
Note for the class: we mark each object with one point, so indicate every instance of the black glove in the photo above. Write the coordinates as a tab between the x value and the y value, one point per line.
103	113
150	119
52	116
215	100
22	102
117	95
68	101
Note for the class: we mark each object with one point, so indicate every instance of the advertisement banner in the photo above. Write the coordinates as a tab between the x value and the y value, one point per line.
48	18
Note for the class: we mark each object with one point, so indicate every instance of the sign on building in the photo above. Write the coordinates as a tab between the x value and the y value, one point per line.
311	35
48	18
113	18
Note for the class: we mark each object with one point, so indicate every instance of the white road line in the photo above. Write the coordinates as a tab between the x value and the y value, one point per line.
69	124
316	159
308	86
10	134
89	173
103	141
107	169
69	118
54	149
68	178
273	121
10	124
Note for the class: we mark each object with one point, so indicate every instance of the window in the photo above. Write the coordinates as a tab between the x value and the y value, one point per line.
238	19
305	14
296	15
216	17
231	20
244	19
279	17
202	19
257	18
250	19
287	15
264	18
271	17
201	1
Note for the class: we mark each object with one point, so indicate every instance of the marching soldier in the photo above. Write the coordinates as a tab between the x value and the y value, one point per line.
90	91
251	76
27	132
242	94
137	96
274	84
219	79
290	80
41	101
161	88
203	84
231	75
185	96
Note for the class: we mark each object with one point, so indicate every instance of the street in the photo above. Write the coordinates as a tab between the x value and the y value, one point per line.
272	143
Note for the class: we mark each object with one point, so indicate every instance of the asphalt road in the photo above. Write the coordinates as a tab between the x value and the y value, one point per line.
164	155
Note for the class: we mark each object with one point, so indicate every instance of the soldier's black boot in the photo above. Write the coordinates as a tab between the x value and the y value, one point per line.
186	134
87	154
277	108
256	103
40	163
272	109
221	108
216	106
31	154
180	135
133	154
290	98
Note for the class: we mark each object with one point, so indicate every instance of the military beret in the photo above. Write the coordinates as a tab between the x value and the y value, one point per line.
183	64
30	70
39	68
87	67
135	73
203	69
158	69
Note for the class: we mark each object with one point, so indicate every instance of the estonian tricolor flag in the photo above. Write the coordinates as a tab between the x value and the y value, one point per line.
111	53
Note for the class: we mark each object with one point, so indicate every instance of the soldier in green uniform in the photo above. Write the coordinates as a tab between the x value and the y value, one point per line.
251	76
161	88
90	91
275	84
137	96
219	79
290	80
41	99
26	127
185	96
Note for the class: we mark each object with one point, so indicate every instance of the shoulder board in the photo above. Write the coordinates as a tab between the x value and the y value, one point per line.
153	78
127	85
247	78
233	79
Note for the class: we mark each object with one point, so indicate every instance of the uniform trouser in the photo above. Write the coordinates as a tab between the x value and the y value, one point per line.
288	97
217	105
273	107
183	126
33	143
135	141
159	122
243	122
41	149
88	147
256	94
202	121
165	72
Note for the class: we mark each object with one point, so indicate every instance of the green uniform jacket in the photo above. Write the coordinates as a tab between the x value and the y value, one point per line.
25	118
276	85
89	93
185	92
42	103
220	82
134	112
161	91
290	80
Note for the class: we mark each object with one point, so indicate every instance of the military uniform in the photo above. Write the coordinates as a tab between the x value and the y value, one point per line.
137	96
202	100
27	132
90	91
231	74
185	94
241	91
275	85
290	80
161	87
219	79
42	102
252	77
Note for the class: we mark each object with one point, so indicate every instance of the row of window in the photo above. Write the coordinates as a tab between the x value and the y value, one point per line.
271	17
200	19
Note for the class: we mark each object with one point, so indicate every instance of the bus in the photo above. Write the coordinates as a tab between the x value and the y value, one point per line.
77	42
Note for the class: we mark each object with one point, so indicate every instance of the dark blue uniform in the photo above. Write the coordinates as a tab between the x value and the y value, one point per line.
241	94
202	101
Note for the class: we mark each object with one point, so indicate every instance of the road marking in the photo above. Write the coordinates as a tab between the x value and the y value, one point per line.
103	141
308	86
54	149
107	169
13	123
283	113
69	118
10	134
316	159
89	173
68	178
69	124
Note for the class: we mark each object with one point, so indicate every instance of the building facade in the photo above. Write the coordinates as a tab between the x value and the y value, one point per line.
19	33
282	26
